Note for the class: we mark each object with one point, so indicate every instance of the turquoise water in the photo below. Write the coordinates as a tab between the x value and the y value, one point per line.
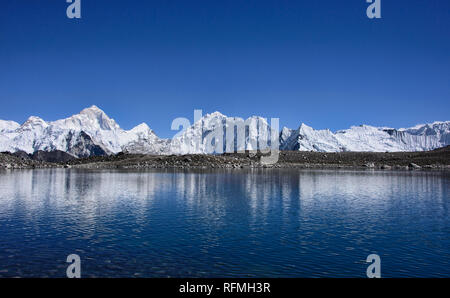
261	223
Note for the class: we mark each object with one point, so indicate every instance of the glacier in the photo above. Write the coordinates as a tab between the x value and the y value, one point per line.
216	133
365	138
92	132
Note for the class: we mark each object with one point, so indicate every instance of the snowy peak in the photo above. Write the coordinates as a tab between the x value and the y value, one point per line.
8	126
92	110
369	138
99	118
213	115
438	127
89	132
33	123
216	133
285	134
303	128
91	118
92	132
141	128
34	120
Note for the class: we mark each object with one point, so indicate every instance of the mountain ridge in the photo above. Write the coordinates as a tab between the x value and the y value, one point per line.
92	132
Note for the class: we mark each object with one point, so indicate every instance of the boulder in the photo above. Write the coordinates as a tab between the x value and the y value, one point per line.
414	166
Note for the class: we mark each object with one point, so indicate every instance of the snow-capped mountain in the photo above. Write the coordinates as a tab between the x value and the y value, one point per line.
217	133
7	126
142	140
367	138
92	132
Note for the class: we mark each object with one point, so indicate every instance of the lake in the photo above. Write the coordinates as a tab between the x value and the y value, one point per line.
235	223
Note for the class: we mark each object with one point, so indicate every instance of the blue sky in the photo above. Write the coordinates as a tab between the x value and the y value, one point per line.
319	62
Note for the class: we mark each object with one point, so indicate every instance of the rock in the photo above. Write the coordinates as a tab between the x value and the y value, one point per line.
370	165
52	156
386	167
414	166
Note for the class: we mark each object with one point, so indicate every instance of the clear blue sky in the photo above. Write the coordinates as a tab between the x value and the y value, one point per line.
319	62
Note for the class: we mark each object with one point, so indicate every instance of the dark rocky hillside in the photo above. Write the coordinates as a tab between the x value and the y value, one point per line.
437	159
52	156
22	161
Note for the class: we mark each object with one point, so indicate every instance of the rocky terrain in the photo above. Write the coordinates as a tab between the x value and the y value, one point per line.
23	161
438	159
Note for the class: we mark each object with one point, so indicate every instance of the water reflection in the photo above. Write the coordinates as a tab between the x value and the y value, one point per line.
224	223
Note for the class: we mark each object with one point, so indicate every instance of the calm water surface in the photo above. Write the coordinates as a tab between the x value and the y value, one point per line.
272	223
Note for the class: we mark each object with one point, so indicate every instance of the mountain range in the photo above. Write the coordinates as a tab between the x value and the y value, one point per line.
92	133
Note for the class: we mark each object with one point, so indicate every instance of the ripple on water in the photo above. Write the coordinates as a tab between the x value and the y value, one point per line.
276	223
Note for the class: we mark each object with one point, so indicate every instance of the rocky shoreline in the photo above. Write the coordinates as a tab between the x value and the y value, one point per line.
431	160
